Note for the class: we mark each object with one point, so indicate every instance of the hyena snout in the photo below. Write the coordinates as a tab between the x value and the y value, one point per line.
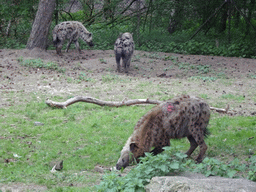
123	161
90	44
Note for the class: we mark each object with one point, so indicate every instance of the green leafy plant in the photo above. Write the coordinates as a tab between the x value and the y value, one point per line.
149	166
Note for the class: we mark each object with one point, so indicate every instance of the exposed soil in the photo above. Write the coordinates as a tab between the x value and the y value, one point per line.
215	76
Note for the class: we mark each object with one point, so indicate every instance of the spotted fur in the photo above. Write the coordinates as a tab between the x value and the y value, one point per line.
124	47
71	30
180	117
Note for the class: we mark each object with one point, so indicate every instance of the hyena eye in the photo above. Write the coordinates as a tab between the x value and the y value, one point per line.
123	160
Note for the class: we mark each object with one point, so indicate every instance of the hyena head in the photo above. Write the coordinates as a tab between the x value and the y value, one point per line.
129	156
126	35
124	160
87	37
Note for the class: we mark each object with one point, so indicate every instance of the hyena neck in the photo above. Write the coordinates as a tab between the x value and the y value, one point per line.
142	127
126	147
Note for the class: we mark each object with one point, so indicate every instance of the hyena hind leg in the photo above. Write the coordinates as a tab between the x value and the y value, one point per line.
129	61
199	139
118	58
68	45
126	63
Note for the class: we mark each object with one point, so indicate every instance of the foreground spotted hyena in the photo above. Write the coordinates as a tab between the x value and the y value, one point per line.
70	30
124	47
183	116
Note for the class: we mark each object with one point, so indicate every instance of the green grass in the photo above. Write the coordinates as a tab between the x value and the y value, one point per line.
39	63
84	135
232	97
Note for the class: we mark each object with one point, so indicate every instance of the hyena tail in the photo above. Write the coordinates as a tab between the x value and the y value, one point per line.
56	40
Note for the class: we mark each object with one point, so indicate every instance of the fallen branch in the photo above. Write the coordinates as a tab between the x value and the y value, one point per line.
100	102
113	103
220	110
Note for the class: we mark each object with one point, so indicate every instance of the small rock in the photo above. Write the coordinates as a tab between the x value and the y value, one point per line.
56	165
197	182
99	169
38	123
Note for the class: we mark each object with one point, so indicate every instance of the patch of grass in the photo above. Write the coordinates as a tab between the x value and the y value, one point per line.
38	63
203	78
83	77
222	75
185	66
136	58
168	68
102	60
203	69
172	58
110	78
204	96
232	97
253	76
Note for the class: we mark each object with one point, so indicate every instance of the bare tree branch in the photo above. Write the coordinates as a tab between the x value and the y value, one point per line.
220	110
125	102
100	102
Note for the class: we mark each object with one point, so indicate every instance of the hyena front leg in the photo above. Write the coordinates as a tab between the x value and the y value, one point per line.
59	47
193	145
77	46
159	149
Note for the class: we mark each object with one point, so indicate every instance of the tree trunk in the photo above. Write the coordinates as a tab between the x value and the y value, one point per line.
41	25
177	16
138	23
224	18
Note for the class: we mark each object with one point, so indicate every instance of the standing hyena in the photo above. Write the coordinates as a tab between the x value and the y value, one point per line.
183	116
70	30
124	47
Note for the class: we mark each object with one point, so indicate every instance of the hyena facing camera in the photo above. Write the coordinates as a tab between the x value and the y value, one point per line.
71	30
124	47
180	117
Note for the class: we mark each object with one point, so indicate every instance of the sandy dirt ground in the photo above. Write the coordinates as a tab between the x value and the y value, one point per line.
215	76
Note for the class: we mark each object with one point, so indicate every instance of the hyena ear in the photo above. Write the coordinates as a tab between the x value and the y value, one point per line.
133	146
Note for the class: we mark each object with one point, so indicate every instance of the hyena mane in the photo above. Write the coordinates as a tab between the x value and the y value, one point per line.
180	117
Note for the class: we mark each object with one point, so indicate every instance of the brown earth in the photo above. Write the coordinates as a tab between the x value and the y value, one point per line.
212	76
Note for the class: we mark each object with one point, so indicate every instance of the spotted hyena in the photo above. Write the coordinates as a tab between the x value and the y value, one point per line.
124	47
70	30
180	117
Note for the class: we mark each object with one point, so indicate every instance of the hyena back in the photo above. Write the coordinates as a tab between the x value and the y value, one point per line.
71	30
124	47
180	117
